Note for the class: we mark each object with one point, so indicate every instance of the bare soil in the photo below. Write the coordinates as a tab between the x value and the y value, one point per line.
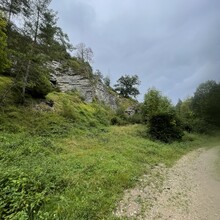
190	190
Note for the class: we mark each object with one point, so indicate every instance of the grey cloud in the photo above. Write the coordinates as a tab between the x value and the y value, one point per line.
75	17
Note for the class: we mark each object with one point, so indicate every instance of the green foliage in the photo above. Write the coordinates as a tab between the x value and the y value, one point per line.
69	111
185	113
79	67
200	113
68	164
98	76
38	41
28	182
71	107
74	64
39	84
136	118
155	103
206	102
120	118
4	61
21	196
165	127
107	81
126	86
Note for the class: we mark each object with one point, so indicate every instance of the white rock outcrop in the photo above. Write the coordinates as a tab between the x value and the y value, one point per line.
66	80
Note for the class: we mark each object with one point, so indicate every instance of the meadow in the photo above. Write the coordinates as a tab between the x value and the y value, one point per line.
68	162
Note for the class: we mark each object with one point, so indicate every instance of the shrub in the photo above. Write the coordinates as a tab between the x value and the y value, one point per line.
135	119
165	127
115	121
118	121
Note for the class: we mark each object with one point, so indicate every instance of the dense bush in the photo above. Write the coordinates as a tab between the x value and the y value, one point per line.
135	119
165	127
118	121
41	86
120	118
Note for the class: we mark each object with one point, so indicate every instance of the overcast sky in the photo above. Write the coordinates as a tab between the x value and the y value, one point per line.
172	45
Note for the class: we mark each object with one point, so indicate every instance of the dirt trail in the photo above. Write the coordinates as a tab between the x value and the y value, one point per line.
190	190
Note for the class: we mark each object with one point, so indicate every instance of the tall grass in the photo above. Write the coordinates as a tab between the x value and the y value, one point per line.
78	176
67	163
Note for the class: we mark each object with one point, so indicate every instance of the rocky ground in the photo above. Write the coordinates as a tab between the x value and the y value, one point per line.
190	190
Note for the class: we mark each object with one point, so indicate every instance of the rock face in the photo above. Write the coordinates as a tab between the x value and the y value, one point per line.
66	80
131	110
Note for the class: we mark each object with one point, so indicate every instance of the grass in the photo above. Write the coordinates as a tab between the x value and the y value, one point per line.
68	163
82	175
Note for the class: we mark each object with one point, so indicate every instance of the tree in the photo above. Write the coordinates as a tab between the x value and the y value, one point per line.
48	30
107	81
84	53
155	103
126	86
4	61
14	7
98	75
32	57
54	43
37	41
165	127
178	106
185	113
32	45
206	102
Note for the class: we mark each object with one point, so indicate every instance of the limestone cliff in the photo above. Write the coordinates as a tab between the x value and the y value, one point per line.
67	80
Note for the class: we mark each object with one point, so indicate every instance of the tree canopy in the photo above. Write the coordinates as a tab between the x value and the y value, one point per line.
206	102
127	86
154	103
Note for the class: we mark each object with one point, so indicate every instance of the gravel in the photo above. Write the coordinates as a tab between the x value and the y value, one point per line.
190	190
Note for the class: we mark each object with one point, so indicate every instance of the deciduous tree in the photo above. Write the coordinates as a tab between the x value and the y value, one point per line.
155	103
206	102
84	53
127	86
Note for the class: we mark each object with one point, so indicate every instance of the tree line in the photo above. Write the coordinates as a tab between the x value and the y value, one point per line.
167	122
27	46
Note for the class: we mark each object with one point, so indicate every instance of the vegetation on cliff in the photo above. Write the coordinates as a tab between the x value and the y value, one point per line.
62	158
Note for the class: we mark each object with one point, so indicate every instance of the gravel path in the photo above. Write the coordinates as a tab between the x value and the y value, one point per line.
190	190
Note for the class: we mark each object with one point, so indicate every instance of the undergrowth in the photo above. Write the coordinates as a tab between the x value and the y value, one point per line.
78	176
66	162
